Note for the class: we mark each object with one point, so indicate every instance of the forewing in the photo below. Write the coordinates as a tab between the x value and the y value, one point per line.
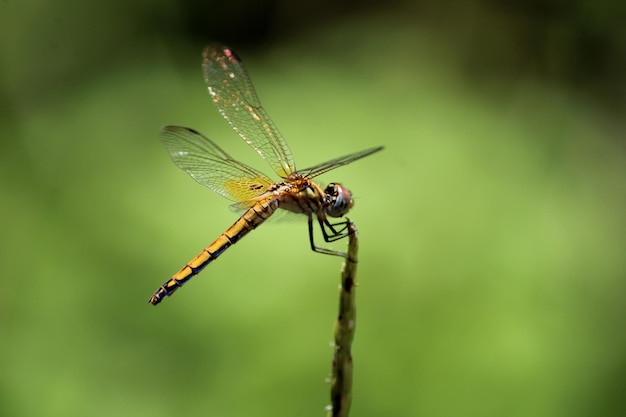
233	93
337	162
210	166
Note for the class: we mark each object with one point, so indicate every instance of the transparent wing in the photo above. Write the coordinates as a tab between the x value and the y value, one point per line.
337	162
233	93
210	166
279	216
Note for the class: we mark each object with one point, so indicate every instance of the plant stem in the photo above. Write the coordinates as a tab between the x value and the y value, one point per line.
341	379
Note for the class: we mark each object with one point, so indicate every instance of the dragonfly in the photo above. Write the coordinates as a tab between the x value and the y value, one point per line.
251	191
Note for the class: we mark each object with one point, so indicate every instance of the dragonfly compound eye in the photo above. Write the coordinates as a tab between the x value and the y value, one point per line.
338	200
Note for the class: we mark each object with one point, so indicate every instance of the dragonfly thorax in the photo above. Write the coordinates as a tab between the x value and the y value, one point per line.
338	200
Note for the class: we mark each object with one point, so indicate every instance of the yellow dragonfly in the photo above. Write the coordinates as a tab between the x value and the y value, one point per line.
232	92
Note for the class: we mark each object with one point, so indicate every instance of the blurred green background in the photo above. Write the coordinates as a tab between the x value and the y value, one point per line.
492	263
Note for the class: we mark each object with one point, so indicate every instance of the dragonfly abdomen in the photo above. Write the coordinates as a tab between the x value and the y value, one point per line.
249	221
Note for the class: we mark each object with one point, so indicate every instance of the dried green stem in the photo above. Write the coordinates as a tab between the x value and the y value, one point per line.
341	379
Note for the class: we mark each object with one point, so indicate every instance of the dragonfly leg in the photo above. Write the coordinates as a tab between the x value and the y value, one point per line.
334	235
338	230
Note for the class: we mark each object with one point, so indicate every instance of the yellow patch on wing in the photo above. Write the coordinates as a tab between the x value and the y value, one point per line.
247	188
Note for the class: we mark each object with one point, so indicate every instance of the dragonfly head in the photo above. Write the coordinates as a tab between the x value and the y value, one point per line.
338	200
